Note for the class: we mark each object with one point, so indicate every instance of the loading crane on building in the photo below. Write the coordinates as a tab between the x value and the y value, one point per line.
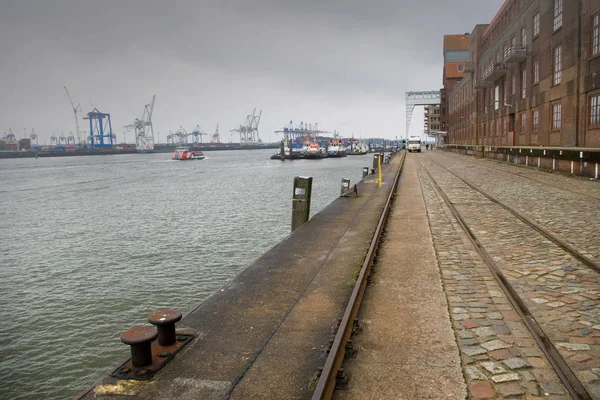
249	131
76	109
144	131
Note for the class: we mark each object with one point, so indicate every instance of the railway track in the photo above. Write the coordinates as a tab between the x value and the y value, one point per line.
573	384
331	371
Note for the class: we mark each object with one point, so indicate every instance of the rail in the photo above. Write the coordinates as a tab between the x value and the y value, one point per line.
327	381
572	383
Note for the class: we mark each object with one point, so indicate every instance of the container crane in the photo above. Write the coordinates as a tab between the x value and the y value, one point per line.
75	110
144	131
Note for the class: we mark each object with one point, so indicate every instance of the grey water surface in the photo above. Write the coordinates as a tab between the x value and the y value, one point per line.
89	246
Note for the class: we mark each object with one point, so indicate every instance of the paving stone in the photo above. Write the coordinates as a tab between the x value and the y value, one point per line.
581	357
555	304
537	362
539	300
531	388
482	390
473	350
468	342
495	345
493	367
528	376
458	310
572	346
466	334
510	389
500	354
494	315
469	324
484	331
516	363
512	376
474	373
551	388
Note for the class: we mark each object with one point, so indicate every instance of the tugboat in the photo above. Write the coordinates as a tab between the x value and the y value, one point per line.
336	149
183	153
313	151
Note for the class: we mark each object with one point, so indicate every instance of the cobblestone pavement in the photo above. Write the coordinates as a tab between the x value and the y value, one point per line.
571	217
583	186
561	293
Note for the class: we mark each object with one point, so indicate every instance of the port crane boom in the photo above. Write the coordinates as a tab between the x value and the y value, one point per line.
75	109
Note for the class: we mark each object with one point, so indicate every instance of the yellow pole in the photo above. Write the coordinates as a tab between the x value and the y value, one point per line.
379	168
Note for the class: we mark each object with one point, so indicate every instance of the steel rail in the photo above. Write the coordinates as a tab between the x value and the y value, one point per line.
327	380
561	243
564	372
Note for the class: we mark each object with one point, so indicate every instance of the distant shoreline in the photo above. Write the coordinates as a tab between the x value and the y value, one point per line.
161	149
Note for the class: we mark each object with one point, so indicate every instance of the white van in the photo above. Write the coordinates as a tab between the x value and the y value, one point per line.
414	144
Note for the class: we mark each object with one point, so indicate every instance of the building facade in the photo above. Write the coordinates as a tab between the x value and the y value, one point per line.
456	54
432	119
533	78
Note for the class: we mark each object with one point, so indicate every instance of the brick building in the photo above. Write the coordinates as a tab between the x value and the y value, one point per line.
432	118
456	53
533	78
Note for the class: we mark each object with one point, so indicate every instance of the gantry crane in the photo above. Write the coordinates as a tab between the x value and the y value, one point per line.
75	110
144	131
249	131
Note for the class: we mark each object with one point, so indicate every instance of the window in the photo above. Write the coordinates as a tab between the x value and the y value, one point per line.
497	97
558	14
596	35
557	64
556	116
595	110
536	24
513	84
523	36
536	70
523	123
535	121
524	83
513	41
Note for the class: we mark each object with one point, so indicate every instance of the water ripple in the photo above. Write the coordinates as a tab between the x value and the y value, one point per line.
89	246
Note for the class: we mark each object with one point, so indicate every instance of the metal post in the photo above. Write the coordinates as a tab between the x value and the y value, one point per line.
301	201
379	168
365	171
375	160
345	185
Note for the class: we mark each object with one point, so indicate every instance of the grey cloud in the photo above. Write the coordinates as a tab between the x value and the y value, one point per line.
344	62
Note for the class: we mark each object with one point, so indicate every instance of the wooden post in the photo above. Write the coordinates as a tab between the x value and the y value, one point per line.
301	201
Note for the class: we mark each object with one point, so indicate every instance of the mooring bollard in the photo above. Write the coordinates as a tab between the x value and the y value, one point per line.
140	339
301	201
365	171
345	185
375	160
165	320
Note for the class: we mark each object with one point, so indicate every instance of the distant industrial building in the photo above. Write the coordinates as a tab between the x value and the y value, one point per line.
432	119
532	78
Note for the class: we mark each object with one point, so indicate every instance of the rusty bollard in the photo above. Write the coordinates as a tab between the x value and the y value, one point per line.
165	324
140	339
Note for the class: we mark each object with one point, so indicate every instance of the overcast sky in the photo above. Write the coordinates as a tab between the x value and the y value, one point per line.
345	64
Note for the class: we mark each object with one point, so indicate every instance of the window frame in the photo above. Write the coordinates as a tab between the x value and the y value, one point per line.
558	15
556	123
523	32
535	70
536	24
523	129
595	42
557	65
535	120
591	106
524	83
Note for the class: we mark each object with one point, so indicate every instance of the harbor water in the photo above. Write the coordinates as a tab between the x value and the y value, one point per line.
89	246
